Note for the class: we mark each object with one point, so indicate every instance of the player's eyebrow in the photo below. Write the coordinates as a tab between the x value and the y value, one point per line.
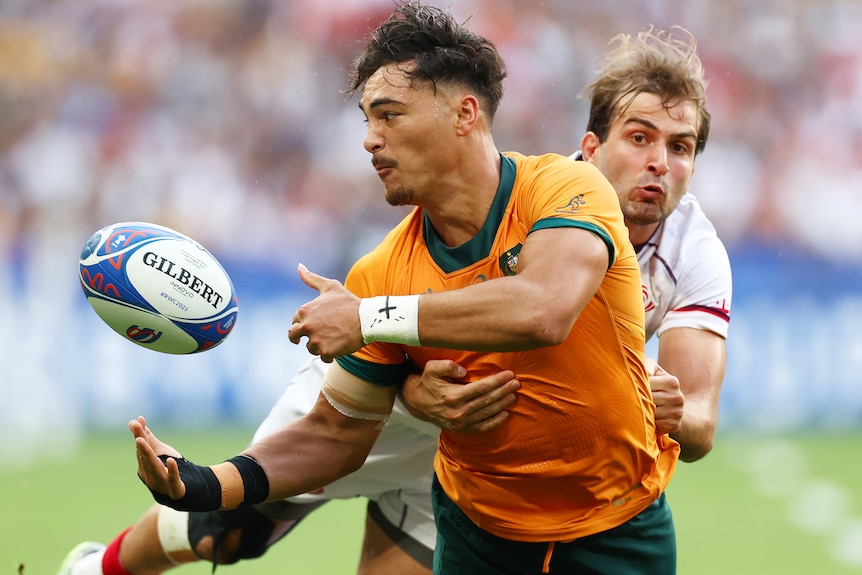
380	102
648	124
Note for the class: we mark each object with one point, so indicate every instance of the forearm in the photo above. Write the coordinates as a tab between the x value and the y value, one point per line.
534	308
698	359
507	314
312	452
696	432
303	456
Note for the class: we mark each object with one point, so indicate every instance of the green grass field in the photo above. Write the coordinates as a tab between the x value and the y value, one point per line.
755	506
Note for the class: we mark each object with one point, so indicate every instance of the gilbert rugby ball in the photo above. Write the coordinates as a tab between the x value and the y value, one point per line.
158	288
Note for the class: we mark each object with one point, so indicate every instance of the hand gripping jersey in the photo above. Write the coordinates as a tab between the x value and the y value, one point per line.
579	453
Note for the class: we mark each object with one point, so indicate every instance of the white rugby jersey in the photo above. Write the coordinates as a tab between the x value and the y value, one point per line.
685	273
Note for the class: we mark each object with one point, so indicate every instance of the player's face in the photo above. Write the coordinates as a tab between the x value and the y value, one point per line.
649	159
409	134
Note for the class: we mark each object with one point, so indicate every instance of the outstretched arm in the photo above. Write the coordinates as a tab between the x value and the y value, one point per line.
699	359
329	442
319	448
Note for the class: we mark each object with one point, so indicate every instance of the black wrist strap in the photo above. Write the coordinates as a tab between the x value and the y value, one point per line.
203	490
254	479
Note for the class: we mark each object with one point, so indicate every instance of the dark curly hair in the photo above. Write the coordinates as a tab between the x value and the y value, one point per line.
444	51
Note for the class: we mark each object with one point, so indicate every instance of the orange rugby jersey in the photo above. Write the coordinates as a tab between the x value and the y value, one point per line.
579	453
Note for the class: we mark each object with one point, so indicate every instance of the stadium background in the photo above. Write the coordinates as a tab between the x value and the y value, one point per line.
225	119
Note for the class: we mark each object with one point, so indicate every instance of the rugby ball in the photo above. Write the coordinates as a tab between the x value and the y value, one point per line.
158	288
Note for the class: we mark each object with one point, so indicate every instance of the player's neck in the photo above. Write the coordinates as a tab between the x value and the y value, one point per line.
640	234
461	205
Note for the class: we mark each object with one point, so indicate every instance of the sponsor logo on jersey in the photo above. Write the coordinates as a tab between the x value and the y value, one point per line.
573	206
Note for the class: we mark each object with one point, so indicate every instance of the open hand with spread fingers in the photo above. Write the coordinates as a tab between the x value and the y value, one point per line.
160	475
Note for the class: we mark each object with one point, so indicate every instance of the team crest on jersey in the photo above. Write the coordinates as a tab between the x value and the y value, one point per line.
573	206
509	261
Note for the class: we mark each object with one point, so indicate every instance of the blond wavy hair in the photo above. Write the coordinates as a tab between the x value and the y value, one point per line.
660	62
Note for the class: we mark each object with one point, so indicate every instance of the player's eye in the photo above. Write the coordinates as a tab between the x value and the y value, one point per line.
680	148
384	116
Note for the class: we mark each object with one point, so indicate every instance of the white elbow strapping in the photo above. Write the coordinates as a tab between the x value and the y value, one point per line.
358	400
173	528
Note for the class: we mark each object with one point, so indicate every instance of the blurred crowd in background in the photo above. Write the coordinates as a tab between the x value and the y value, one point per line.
227	120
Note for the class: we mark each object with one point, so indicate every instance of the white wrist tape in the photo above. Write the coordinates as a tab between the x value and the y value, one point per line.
390	318
173	529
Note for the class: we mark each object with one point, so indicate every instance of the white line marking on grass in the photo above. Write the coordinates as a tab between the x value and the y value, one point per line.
779	469
847	547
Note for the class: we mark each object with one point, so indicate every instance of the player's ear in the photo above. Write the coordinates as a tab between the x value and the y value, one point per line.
469	113
589	145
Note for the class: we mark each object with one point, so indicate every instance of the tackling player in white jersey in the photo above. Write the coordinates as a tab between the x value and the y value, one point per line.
646	148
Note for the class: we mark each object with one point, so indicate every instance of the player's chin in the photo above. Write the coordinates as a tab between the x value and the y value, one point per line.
645	213
398	196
